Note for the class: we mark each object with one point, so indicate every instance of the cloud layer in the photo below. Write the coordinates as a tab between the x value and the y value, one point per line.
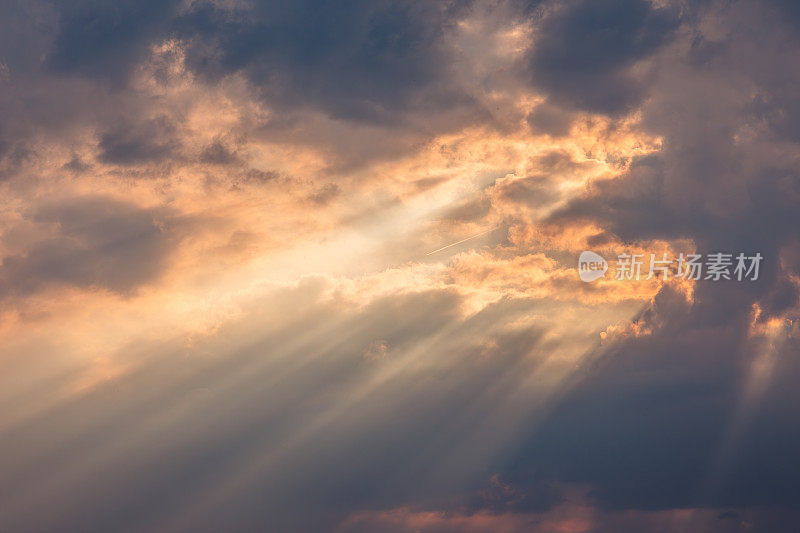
311	266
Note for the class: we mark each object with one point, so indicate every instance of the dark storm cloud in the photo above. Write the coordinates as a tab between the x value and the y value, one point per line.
356	59
97	242
643	204
642	427
387	65
788	9
106	40
661	421
584	51
25	32
632	208
647	427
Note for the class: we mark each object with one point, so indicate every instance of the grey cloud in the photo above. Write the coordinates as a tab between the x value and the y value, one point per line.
584	51
550	119
647	425
657	422
12	157
97	242
357	60
533	191
386	65
106	39
77	165
150	141
218	154
325	194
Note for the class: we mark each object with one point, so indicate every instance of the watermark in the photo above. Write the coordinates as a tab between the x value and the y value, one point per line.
716	266
591	266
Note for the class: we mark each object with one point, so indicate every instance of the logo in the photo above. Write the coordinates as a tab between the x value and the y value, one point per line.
591	266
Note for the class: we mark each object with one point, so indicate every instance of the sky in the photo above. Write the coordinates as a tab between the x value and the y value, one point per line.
313	266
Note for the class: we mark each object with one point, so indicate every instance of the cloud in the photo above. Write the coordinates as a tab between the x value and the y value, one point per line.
304	363
217	153
95	243
150	141
550	119
666	420
356	60
584	51
106	40
325	194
